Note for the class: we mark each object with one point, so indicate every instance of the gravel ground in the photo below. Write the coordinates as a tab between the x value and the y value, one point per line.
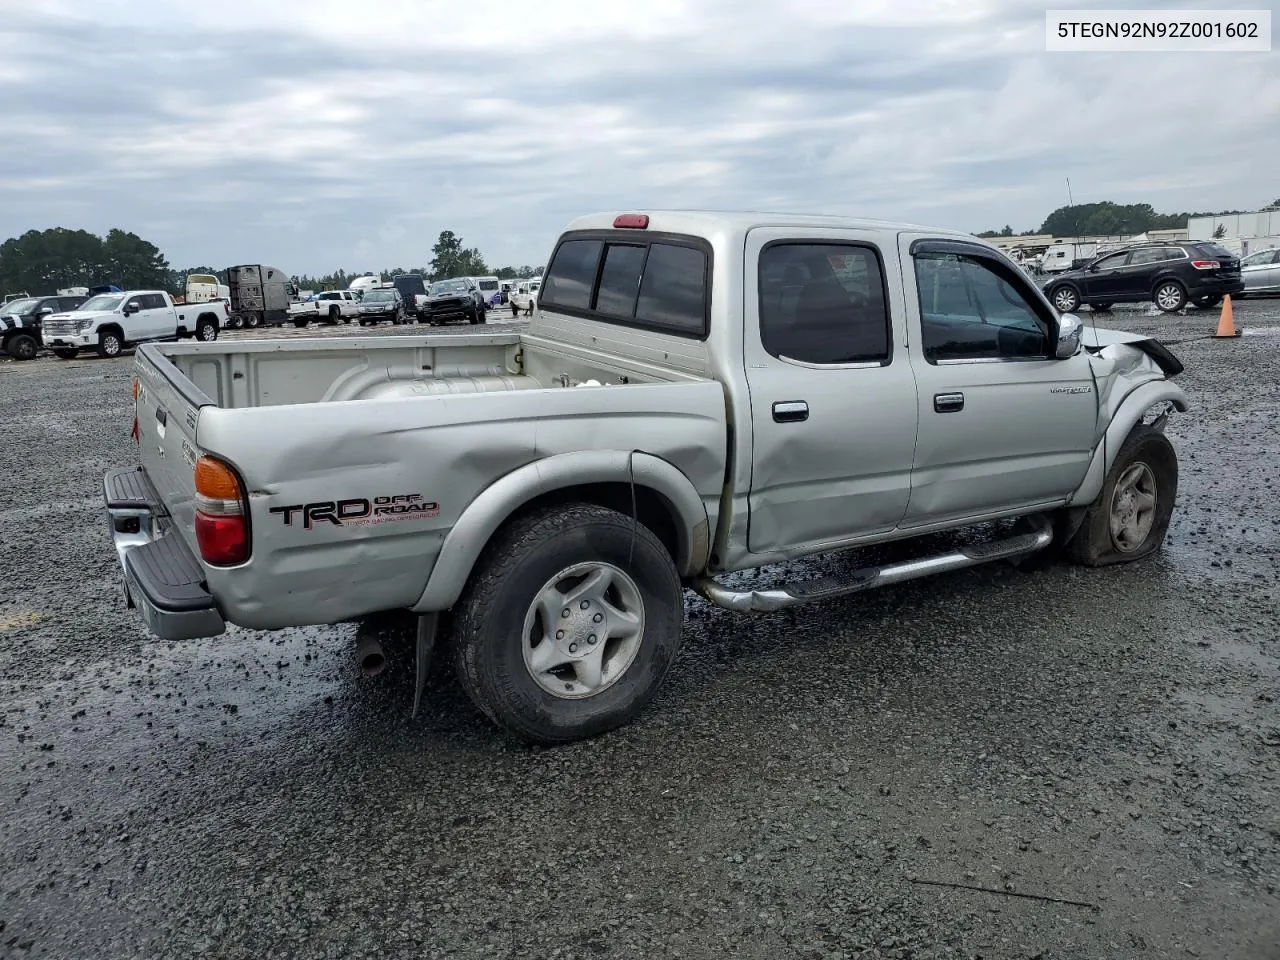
1102	736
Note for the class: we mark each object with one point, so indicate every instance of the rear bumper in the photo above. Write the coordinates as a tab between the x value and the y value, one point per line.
162	578
1217	286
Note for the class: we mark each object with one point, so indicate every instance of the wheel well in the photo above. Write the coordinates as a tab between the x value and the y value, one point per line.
651	509
207	316
1161	281
112	328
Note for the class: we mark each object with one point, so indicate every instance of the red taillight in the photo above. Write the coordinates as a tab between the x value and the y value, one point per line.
1205	264
631	221
222	530
223	541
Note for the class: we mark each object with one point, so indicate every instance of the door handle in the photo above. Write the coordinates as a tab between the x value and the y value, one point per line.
948	402
790	411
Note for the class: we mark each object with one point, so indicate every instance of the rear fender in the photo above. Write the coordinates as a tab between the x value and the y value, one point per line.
498	502
1127	416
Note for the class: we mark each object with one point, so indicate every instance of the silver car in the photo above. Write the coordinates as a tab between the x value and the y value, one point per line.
1261	272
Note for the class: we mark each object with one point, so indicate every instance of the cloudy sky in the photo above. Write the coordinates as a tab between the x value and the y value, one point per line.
317	134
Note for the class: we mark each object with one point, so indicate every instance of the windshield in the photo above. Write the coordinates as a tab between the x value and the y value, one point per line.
106	301
19	306
448	286
379	296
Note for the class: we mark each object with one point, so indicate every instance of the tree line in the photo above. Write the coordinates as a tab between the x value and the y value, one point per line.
42	261
1108	219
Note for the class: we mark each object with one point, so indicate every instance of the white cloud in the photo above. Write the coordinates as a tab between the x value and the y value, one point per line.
314	135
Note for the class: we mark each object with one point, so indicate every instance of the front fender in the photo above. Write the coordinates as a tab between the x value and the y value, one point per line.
487	512
1126	417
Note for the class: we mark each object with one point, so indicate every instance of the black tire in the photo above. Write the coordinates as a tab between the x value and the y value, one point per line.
1065	298
489	622
300	324
1207	302
335	316
254	321
1102	307
22	346
1095	543
110	344
235	322
1169	296
206	330
66	353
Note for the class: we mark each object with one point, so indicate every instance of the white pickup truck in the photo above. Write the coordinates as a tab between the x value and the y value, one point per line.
697	395
328	306
110	322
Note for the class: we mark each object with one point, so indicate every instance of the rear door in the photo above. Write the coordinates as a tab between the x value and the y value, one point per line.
1003	425
833	399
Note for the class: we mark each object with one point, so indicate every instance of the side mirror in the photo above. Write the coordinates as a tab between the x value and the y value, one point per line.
130	308
44	311
1070	330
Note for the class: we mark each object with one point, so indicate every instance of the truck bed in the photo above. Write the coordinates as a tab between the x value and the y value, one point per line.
320	421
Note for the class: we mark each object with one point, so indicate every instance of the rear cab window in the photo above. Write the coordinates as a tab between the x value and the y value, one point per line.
659	282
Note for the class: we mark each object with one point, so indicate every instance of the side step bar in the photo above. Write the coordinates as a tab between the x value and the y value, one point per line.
825	588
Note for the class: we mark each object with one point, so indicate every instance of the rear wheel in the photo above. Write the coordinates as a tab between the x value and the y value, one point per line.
569	623
206	330
1170	296
1065	298
253	321
66	353
23	346
1130	517
335	316
110	344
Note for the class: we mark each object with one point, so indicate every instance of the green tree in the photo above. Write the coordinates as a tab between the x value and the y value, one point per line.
1219	231
132	262
450	259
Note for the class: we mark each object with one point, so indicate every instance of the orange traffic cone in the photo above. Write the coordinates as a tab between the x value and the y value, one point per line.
1227	322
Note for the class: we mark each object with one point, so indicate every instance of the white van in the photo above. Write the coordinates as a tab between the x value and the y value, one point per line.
359	285
490	289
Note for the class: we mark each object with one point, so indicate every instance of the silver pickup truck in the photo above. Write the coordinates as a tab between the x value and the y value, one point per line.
698	394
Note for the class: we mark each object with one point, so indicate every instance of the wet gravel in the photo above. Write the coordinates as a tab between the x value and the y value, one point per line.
1109	737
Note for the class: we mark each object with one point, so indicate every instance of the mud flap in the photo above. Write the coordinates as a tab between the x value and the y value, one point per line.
423	649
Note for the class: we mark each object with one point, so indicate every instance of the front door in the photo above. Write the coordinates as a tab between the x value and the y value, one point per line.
833	400
1003	425
1105	279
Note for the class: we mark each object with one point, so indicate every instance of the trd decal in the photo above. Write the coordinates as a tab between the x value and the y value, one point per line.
359	511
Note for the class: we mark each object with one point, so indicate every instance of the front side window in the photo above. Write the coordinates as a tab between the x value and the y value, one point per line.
823	303
969	310
1113	262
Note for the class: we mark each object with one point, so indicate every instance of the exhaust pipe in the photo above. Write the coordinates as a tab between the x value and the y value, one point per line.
369	655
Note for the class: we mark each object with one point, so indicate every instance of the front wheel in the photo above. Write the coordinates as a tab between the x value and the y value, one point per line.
1066	299
23	346
1170	296
109	344
1130	517
568	624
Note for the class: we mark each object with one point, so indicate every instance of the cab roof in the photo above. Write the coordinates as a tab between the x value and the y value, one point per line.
707	221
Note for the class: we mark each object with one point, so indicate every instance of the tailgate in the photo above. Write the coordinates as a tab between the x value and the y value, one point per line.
168	408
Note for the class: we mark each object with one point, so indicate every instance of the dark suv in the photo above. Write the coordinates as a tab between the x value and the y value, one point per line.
451	300
20	323
1168	274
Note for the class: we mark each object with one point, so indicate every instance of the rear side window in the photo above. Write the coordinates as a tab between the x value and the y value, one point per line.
572	275
823	303
659	284
1217	251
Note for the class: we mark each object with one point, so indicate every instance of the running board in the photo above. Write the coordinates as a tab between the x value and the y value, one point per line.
825	588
